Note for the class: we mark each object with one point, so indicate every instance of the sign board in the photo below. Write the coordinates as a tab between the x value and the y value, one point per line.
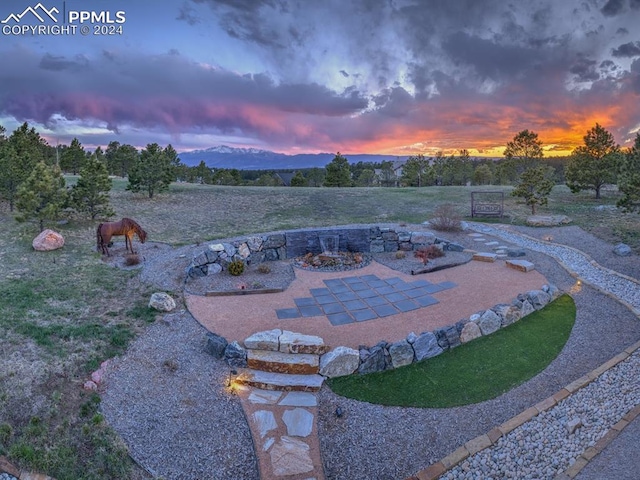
487	204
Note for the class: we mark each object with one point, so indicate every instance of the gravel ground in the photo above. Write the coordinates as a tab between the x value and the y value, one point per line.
167	400
165	397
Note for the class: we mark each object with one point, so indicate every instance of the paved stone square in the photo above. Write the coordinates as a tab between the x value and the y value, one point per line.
361	298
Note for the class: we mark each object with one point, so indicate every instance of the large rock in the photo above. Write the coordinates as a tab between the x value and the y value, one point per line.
538	298
291	342
216	345
621	249
426	346
423	238
489	322
373	360
339	362
508	314
401	353
547	220
526	309
48	240
267	340
470	332
162	302
235	355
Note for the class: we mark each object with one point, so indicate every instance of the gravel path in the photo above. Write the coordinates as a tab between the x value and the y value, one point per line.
165	398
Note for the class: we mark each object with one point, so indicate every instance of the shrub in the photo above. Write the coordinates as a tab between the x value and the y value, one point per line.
132	259
264	268
428	253
400	254
446	218
236	268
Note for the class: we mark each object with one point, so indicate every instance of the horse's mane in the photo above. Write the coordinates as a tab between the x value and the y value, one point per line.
129	223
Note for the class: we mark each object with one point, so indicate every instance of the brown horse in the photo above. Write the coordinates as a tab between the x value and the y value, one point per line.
126	227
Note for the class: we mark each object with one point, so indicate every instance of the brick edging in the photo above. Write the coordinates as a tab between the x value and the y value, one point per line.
481	442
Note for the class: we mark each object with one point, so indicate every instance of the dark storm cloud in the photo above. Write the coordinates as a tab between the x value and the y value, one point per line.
585	70
612	8
635	4
165	90
186	14
631	49
57	63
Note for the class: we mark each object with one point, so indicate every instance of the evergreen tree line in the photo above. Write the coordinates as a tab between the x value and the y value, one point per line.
31	172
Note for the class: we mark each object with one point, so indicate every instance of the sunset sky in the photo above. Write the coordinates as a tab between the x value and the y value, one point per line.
394	77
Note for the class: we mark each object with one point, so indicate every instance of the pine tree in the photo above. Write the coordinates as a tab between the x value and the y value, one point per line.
595	163
629	178
42	195
91	194
298	180
18	155
534	186
73	157
416	172
338	172
152	172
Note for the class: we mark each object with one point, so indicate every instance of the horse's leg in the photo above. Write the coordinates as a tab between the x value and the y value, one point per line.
105	244
128	242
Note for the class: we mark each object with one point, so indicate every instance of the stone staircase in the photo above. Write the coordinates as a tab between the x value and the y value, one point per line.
283	360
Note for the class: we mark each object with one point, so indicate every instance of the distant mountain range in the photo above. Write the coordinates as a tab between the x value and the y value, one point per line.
223	156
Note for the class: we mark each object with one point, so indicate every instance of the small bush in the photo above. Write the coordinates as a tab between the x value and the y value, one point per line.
6	432
428	253
400	254
264	268
236	268
446	219
171	364
132	259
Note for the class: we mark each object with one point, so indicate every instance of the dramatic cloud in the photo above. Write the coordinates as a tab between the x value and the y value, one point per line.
394	77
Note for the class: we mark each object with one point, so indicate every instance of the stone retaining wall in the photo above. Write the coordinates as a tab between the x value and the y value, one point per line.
296	243
385	356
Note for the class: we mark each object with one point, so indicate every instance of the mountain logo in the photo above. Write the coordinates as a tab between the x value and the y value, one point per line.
39	11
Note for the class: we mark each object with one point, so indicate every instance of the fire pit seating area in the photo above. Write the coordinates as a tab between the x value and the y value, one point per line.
299	243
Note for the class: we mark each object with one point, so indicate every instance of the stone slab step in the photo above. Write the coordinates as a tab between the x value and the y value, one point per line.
521	265
278	362
291	342
485	257
279	381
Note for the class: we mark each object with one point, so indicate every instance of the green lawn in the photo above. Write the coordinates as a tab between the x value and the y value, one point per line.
473	372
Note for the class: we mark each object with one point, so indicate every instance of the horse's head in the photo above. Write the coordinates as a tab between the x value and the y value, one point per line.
142	235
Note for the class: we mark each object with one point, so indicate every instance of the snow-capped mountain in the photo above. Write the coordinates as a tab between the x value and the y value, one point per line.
223	156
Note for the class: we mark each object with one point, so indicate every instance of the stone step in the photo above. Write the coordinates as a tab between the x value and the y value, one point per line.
291	342
485	257
278	362
521	265
279	381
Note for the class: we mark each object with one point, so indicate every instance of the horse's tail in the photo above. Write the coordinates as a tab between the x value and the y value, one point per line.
99	239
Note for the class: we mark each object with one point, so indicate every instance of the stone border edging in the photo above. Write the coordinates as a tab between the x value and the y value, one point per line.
8	468
481	442
574	274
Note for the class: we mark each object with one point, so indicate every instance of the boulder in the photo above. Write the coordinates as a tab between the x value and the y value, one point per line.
547	220
411	338
538	298
162	302
373	360
216	247
48	240
216	345
401	353
213	269
423	238
526	309
453	247
339	362
508	314
254	244
243	250
516	252
470	332
200	259
426	346
267	340
291	342
235	355
489	322
620	249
